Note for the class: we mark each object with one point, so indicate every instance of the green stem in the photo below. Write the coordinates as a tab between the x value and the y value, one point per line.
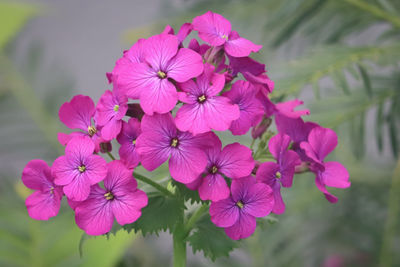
110	155
195	217
179	240
387	250
150	182
252	144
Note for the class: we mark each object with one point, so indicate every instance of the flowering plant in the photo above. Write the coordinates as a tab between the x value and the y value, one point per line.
185	95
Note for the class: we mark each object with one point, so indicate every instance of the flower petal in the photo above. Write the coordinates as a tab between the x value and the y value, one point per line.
236	161
43	205
213	28
185	65
243	228
37	175
126	208
214	188
77	113
160	96
239	47
224	213
159	49
186	163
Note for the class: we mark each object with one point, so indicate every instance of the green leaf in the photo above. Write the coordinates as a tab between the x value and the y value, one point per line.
188	195
159	215
379	126
211	240
393	130
366	80
12	17
340	81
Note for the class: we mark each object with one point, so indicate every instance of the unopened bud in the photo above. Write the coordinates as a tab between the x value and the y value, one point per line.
260	129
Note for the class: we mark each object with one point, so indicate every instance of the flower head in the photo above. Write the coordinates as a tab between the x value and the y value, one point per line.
216	30
119	199
127	139
45	201
110	110
78	169
234	161
237	213
150	81
243	94
203	108
321	141
160	140
78	114
281	172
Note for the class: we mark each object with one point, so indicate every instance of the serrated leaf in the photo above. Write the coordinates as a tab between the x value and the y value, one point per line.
160	214
366	79
211	240
188	195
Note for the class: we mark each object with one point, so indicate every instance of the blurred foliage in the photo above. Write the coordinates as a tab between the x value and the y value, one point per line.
347	52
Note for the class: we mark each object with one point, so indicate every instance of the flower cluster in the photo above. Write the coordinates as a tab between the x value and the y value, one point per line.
185	90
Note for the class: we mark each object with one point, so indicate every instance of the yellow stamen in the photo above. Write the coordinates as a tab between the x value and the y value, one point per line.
225	37
92	130
240	204
174	142
82	168
109	196
214	169
201	98
161	74
116	108
278	175
134	141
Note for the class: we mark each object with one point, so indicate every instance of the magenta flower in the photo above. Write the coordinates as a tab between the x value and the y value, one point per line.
150	81
110	110
234	161
216	30
160	140
127	138
243	94
204	109
119	199
281	172
44	203
78	114
321	142
237	213
78	169
134	55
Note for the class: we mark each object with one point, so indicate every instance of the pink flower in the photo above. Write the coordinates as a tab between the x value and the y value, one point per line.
110	110
204	109
321	142
44	203
234	161
281	172
78	114
119	199
150	81
78	169
160	140
127	138
251	109
216	30
237	213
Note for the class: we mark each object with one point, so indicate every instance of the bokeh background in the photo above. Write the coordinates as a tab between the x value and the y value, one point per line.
340	56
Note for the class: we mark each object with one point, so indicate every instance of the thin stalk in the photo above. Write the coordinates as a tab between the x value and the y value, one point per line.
179	240
150	182
390	227
110	155
195	217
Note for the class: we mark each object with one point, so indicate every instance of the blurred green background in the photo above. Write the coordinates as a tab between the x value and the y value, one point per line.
342	57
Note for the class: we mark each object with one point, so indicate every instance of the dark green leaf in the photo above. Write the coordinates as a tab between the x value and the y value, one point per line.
211	240
186	193
159	215
379	126
366	79
393	130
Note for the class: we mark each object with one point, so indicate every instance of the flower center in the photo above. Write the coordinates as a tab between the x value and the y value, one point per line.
278	175
214	169
52	190
225	37
240	204
174	142
201	98
161	74
109	196
92	130
82	168
134	141
116	108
